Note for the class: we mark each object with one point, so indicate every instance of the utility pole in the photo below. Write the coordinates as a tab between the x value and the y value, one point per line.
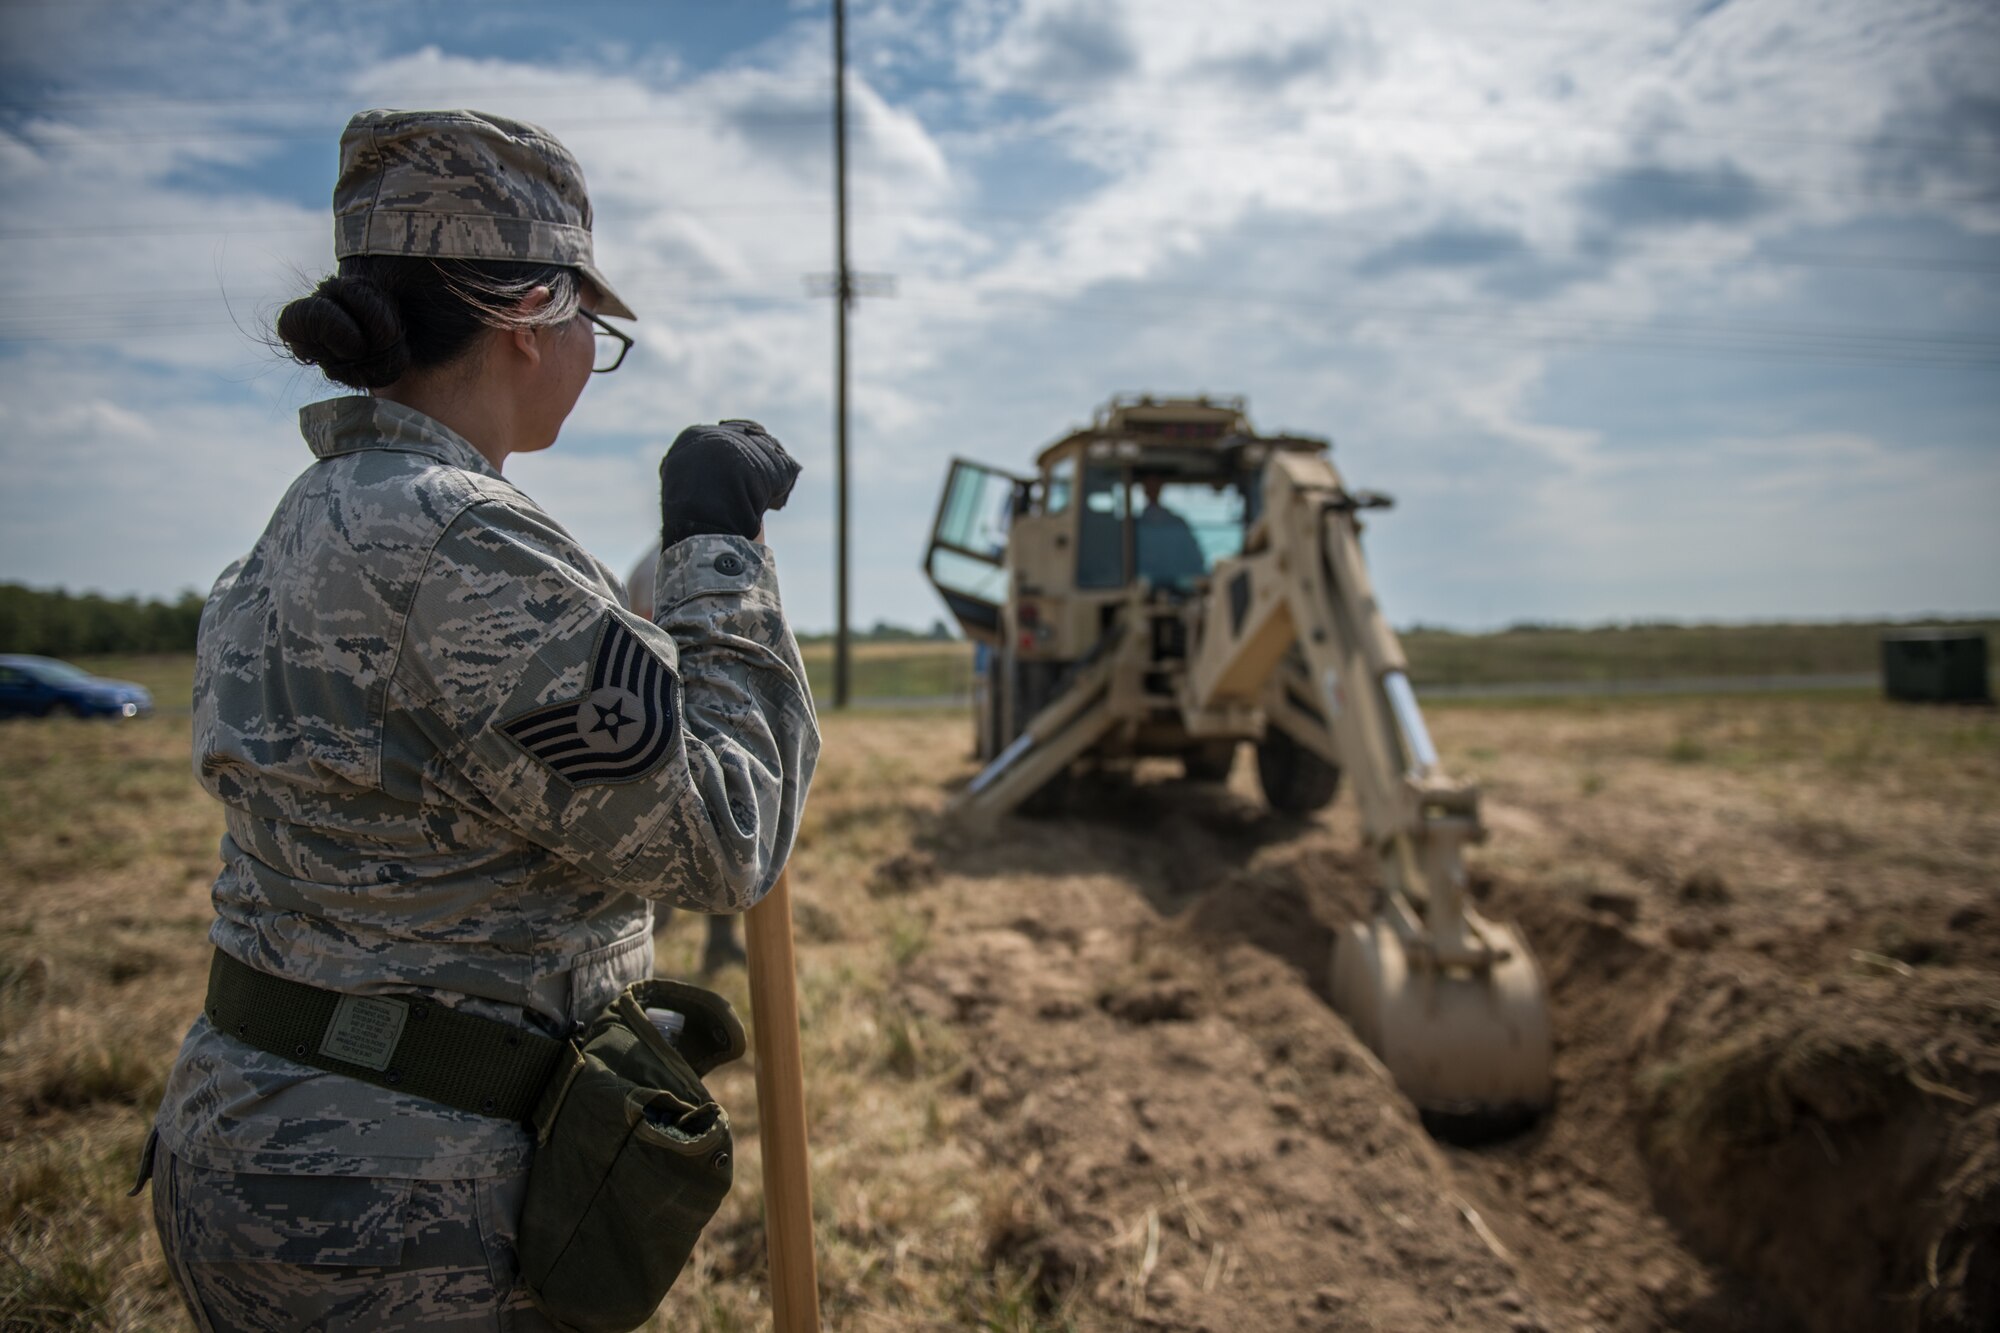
843	296
844	285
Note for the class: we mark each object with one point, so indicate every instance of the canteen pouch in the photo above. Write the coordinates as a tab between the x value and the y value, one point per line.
632	1159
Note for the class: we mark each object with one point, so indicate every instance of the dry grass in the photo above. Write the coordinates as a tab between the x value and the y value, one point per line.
1876	796
107	846
1651	652
1752	1090
106	849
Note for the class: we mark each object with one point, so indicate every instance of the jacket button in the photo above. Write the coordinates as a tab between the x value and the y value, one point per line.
729	563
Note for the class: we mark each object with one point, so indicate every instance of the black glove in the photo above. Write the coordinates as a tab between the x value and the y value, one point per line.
720	479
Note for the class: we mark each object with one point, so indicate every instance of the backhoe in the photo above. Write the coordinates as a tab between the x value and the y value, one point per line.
1170	583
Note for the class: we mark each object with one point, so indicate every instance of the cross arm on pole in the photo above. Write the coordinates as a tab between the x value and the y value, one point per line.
854	286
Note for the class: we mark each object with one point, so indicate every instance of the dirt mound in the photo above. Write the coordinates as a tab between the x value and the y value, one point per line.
1833	1148
1289	903
1571	1202
1777	1022
1203	1144
1730	1150
1822	1137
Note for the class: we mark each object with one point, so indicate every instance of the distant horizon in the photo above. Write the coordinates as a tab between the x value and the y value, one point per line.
921	632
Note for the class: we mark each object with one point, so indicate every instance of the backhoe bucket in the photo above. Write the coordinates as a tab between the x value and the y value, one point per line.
1471	1047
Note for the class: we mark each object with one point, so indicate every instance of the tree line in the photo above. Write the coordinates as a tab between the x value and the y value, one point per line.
884	632
55	623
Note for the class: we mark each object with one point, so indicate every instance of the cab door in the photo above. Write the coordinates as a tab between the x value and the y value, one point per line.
967	559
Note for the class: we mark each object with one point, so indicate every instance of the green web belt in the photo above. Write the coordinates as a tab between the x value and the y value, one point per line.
404	1043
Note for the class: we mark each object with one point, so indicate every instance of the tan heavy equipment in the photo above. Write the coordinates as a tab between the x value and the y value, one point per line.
1171	583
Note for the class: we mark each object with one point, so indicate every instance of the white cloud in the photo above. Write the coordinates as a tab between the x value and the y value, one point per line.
1408	227
157	491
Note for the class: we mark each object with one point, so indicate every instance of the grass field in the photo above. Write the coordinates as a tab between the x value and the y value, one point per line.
926	670
1442	657
1649	652
107	847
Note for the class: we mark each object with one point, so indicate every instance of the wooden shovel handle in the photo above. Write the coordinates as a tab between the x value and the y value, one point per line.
781	1110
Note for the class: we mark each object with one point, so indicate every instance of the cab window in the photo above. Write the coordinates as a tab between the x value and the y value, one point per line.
1062	479
1182	528
1100	543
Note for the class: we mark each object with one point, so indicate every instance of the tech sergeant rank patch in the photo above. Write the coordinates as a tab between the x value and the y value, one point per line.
621	728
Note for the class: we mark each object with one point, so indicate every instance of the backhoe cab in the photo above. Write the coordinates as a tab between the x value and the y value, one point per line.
1170	583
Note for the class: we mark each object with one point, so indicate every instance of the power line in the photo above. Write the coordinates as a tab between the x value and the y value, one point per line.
1663	179
1145	100
1181	97
1761	340
1636	249
749	208
532	10
100	309
1672	176
318	133
1184	95
265	101
1498	332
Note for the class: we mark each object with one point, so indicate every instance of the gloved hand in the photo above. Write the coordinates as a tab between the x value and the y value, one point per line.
720	479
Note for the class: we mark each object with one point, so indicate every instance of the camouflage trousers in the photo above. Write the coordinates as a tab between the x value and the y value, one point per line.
340	1253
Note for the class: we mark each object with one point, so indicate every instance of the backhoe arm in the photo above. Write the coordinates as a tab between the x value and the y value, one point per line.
1452	1002
1303	583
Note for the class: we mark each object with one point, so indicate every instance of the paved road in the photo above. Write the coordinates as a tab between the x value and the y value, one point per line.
1550	689
1556	689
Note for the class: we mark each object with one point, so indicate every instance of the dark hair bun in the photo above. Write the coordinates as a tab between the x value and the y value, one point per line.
350	328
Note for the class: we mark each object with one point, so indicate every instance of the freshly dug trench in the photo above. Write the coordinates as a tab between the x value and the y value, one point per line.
1771	1111
1569	1200
1833	1143
1845	1150
1831	1138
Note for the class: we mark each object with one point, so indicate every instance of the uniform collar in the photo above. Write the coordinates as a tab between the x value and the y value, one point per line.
348	425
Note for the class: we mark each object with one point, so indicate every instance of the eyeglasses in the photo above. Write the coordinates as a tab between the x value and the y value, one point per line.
611	346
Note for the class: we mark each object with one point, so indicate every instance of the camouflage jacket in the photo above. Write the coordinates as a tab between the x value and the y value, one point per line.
453	765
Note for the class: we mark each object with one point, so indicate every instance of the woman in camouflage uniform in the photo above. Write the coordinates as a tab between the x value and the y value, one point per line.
455	770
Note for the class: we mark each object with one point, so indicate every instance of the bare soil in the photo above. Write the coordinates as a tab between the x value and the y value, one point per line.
1773	950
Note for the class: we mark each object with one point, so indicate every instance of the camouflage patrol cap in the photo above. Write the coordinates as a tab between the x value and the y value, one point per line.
463	185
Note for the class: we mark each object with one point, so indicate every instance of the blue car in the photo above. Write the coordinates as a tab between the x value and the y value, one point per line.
44	687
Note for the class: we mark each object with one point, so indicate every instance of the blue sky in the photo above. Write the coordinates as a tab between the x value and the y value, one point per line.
1641	310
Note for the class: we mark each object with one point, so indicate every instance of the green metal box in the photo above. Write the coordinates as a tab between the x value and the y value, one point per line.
1935	666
